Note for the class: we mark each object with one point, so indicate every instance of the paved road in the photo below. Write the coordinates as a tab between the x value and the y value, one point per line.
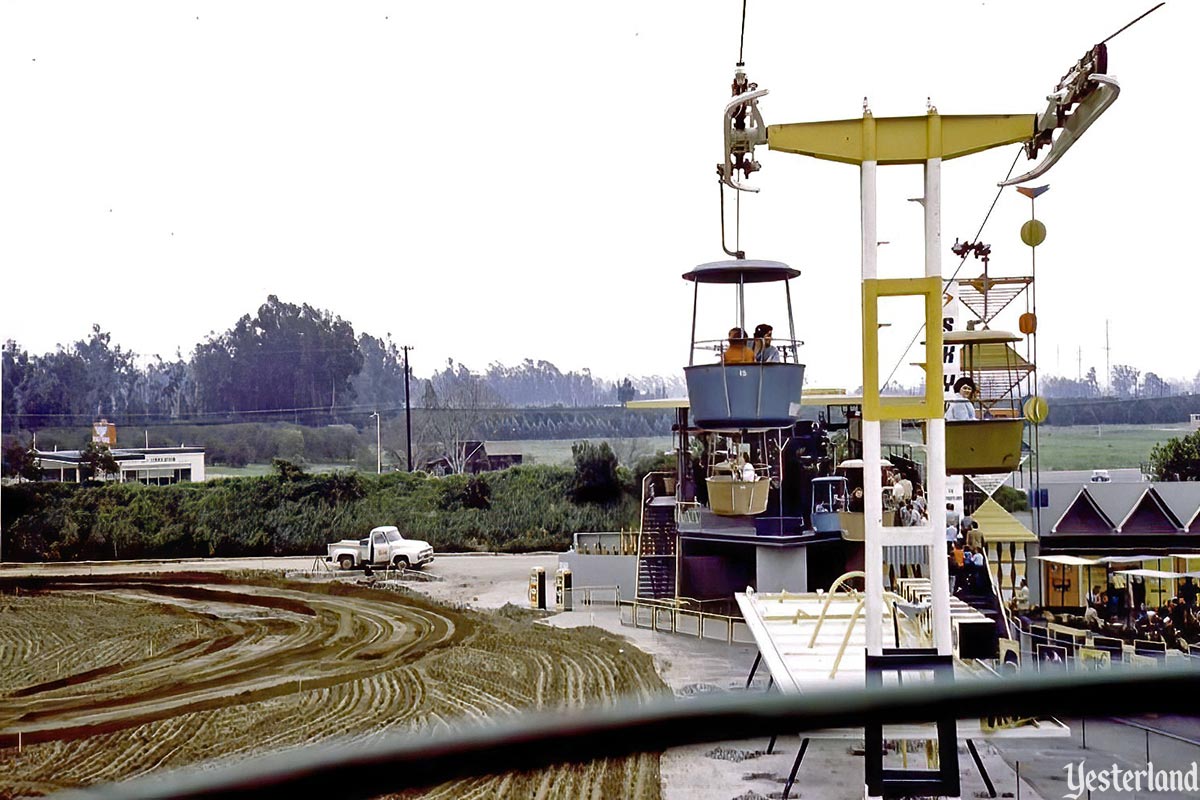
1085	475
482	581
1100	744
57	568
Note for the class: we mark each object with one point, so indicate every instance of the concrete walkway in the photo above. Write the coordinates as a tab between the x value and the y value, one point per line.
832	769
1103	743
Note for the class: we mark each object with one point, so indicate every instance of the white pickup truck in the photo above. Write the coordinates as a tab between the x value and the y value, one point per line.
383	546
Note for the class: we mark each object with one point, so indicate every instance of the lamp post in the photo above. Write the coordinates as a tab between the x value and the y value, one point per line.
378	448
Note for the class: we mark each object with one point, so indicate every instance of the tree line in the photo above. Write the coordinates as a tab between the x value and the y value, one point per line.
536	507
1125	382
1115	411
284	362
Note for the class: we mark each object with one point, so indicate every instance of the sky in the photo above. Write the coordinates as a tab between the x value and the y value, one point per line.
491	182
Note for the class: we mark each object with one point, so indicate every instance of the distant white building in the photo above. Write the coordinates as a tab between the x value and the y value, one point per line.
157	466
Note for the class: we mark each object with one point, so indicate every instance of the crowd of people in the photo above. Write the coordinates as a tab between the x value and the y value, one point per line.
965	554
907	501
1121	608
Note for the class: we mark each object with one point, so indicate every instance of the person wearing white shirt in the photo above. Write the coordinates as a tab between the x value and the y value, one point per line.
960	408
747	471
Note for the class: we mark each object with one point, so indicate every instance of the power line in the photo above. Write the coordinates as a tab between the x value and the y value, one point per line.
209	418
1139	19
963	260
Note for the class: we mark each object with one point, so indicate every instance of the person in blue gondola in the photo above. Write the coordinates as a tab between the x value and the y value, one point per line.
764	351
960	408
737	352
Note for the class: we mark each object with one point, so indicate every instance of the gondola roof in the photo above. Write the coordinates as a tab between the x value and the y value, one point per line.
741	270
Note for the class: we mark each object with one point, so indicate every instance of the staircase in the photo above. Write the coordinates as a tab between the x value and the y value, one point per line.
657	542
984	598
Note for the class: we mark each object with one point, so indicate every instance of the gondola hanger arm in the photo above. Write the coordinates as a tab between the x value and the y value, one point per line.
743	128
1081	96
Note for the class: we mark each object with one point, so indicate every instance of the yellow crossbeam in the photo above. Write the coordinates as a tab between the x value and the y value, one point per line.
900	140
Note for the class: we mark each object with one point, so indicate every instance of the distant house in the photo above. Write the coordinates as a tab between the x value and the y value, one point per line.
157	466
474	457
1158	518
1092	531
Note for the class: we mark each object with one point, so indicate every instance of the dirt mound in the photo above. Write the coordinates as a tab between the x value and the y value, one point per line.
104	680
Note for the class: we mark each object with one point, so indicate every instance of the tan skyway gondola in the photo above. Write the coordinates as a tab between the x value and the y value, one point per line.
731	496
991	442
834	507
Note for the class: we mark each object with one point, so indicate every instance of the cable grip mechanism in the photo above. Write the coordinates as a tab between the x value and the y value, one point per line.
743	128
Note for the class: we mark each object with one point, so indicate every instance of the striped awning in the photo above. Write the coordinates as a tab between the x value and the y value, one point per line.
997	525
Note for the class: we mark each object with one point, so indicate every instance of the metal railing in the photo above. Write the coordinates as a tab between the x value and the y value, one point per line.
587	595
687	515
647	485
789	349
674	613
1147	731
1005	612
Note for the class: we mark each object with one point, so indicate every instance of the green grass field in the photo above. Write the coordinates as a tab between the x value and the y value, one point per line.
1101	446
558	451
258	470
1062	448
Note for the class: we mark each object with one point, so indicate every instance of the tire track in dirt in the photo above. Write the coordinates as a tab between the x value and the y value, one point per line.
259	663
278	666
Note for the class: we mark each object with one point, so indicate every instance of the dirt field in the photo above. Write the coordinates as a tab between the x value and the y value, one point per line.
105	678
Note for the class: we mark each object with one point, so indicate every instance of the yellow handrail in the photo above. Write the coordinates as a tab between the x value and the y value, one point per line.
850	628
829	599
846	639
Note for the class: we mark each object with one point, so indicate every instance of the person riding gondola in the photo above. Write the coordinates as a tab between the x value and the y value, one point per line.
961	408
765	352
737	352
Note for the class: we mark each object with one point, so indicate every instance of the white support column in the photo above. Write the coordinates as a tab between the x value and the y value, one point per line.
933	218
873	536
872	468
935	466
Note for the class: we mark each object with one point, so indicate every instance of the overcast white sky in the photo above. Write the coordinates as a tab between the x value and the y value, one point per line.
495	181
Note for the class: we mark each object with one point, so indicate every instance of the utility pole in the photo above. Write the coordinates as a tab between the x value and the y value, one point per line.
378	445
1107	360
407	409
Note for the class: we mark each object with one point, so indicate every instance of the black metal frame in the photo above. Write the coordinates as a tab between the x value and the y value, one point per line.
895	783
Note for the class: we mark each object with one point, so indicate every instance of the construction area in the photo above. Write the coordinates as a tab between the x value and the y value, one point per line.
110	677
157	667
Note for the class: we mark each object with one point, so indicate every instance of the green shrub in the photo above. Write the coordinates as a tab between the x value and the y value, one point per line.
595	479
529	507
1011	499
1177	459
477	494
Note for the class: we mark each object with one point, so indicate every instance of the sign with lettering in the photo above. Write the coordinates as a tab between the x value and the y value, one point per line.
104	432
951	369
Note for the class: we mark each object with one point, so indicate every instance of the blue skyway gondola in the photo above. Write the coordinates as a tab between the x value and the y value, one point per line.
744	397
